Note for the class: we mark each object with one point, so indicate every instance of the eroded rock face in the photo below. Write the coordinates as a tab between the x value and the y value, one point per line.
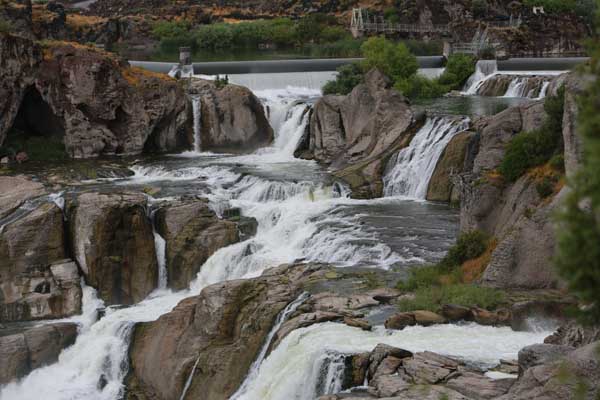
233	118
113	243
95	102
452	161
224	328
36	281
356	134
15	190
193	233
21	353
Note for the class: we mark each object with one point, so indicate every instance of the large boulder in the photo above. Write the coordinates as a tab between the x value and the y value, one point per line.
193	233
222	330
232	118
573	376
113	242
15	190
23	352
452	161
356	134
92	101
36	282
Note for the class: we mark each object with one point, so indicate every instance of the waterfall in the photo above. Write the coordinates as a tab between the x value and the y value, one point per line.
160	245
544	90
408	173
516	88
197	111
308	362
483	71
188	382
281	318
331	374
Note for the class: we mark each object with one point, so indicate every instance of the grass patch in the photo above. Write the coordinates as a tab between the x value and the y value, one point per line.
450	281
432	298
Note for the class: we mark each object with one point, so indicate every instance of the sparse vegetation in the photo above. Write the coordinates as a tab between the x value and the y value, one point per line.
5	26
578	257
347	78
531	149
38	148
450	281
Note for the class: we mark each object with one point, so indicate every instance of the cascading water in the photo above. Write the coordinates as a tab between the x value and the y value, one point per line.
281	318
197	115
160	246
409	172
483	70
308	360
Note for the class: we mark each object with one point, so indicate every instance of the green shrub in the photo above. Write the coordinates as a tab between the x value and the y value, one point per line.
418	86
458	70
557	163
421	277
342	48
347	78
432	298
469	245
578	256
545	187
530	149
394	60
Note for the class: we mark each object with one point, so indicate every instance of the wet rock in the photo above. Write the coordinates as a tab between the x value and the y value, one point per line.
224	328
36	282
356	134
453	313
428	318
381	352
233	118
113	242
549	310
21	353
360	366
577	372
193	233
478	387
15	190
574	335
452	160
400	321
357	323
302	321
539	354
429	368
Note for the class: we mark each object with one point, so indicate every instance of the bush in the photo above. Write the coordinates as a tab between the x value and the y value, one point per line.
347	78
531	149
545	187
394	60
458	70
557	163
432	298
418	86
214	37
578	256
469	245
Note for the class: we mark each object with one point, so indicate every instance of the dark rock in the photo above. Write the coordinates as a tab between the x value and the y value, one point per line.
381	352
36	347
193	233
400	321
539	354
233	118
453	313
574	335
113	242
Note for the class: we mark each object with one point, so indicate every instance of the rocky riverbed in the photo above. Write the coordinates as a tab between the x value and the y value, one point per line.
137	267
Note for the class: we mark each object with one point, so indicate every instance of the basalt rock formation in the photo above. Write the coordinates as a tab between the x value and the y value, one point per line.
233	118
356	134
36	279
90	100
222	329
193	233
23	352
113	243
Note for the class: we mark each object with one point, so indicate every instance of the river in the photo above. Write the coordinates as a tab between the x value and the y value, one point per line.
303	213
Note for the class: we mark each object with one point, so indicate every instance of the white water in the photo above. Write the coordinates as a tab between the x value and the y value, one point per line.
281	318
197	115
483	70
283	80
160	247
408	173
189	380
293	369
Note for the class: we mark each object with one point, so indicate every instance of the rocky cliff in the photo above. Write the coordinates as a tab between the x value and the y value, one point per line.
92	101
233	118
356	134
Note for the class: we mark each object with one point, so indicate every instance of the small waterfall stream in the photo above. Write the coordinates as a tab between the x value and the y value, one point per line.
483	70
281	318
409	172
197	114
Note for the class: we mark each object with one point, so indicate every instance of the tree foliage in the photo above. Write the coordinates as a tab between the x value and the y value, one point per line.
578	257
